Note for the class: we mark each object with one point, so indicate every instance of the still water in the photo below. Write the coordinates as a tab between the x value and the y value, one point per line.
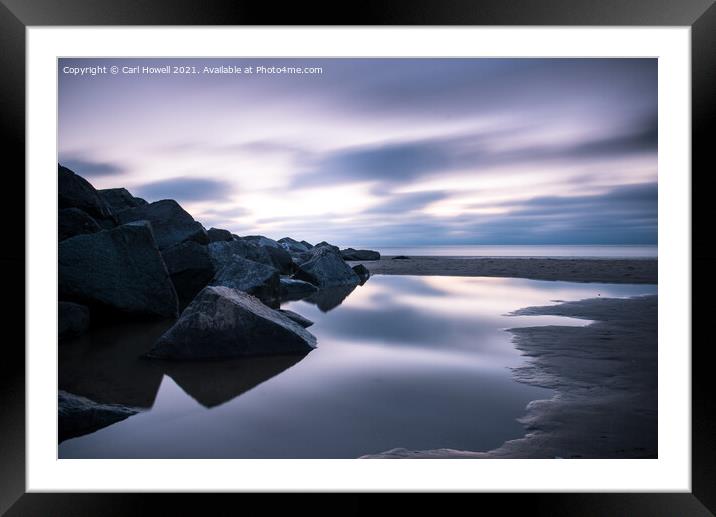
576	251
414	362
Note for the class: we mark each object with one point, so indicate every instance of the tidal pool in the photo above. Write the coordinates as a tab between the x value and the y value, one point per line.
402	361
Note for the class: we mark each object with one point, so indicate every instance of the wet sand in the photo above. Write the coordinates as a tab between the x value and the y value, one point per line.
617	271
605	376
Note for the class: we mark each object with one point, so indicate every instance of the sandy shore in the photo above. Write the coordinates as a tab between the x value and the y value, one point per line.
605	376
619	271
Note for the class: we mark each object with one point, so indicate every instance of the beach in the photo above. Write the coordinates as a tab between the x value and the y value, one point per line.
604	373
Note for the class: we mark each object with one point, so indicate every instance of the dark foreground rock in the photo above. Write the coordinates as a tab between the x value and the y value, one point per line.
362	273
72	319
73	191
292	289
250	277
223	322
190	269
326	268
73	221
304	322
170	222
351	254
79	415
119	270
120	199
224	253
218	235
281	259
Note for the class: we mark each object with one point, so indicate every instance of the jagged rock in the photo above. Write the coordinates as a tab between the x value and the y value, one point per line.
218	235
293	246
292	289
362	272
326	268
307	244
72	319
119	270
281	259
73	221
260	240
73	191
351	254
324	244
190	268
223	253
120	199
304	322
79	415
170	222
250	277
223	322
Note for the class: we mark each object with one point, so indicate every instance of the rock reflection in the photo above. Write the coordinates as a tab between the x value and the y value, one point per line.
329	298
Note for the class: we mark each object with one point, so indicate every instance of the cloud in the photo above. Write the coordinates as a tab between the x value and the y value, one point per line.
90	168
184	189
404	203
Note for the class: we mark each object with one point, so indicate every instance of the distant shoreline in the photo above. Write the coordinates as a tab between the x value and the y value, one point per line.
602	270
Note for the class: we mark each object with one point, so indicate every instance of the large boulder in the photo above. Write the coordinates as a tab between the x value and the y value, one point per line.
223	322
72	319
223	253
326	268
79	415
293	245
292	289
170	222
218	235
307	244
73	191
250	277
351	254
324	244
281	259
260	240
120	199
190	268
73	221
301	320
362	272
120	270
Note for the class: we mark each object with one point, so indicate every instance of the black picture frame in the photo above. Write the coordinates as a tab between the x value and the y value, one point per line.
17	15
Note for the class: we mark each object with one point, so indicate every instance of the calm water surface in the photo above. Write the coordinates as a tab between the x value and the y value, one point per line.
583	251
414	362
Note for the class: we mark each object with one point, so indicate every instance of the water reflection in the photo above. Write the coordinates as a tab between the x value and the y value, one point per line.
415	362
329	298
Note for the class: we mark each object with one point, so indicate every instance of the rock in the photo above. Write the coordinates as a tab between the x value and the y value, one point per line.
218	235
73	191
250	277
190	268
324	244
304	322
72	319
326	268
351	254
119	270
223	253
260	240
223	322
307	244
362	272
170	222
292	289
73	221
281	260
293	246
78	415
120	199
401	257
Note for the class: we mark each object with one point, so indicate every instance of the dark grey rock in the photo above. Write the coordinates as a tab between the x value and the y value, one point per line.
223	253
324	244
281	260
170	222
250	277
362	272
293	246
73	221
218	235
120	199
401	257
72	319
119	270
292	289
79	415
307	244
224	322
190	268
351	254
73	191
326	268
260	240
304	322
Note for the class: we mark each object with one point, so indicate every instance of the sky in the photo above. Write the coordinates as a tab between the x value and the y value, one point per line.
387	152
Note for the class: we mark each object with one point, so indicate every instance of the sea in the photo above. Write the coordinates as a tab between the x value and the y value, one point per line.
586	251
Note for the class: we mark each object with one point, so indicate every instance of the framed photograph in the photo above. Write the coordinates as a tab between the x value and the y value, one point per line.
435	248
